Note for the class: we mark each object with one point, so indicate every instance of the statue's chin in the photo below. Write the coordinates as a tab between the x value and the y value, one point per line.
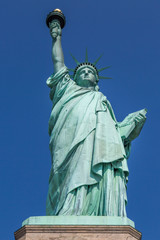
86	83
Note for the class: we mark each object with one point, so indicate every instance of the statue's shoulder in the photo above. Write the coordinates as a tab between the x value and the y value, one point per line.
61	75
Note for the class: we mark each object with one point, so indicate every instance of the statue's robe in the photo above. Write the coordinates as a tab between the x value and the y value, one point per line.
89	161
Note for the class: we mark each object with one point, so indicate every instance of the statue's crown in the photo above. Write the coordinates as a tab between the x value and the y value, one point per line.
88	64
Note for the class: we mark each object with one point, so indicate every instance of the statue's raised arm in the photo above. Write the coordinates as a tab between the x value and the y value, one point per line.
56	22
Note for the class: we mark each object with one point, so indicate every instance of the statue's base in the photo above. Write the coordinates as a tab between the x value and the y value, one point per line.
77	228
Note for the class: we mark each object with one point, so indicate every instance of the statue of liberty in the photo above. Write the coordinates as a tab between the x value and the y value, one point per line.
89	148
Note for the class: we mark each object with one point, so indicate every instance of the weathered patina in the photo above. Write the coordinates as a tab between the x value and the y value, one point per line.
89	148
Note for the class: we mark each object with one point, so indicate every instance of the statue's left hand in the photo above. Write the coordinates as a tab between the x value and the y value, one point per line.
140	119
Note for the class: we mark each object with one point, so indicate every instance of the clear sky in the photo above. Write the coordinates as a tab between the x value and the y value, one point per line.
127	32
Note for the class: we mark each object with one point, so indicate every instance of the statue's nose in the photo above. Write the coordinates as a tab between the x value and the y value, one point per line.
86	72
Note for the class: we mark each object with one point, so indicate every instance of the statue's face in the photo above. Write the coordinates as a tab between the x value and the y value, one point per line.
86	77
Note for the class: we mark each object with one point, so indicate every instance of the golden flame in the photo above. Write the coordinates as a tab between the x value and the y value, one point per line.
57	10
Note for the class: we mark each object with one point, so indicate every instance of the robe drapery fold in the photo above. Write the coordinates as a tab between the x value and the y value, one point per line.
89	164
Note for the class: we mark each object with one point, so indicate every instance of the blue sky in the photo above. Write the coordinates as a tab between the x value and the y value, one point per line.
127	33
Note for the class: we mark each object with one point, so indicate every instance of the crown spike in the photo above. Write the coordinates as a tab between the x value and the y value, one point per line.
101	69
97	59
70	69
86	59
86	63
75	59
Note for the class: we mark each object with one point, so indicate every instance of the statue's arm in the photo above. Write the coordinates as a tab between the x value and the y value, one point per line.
57	53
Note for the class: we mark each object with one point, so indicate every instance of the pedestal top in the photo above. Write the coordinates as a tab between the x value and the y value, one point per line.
79	220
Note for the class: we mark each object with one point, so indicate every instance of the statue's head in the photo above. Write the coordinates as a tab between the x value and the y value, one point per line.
86	74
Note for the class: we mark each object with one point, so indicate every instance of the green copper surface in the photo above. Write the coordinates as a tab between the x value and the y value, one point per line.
89	148
78	220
